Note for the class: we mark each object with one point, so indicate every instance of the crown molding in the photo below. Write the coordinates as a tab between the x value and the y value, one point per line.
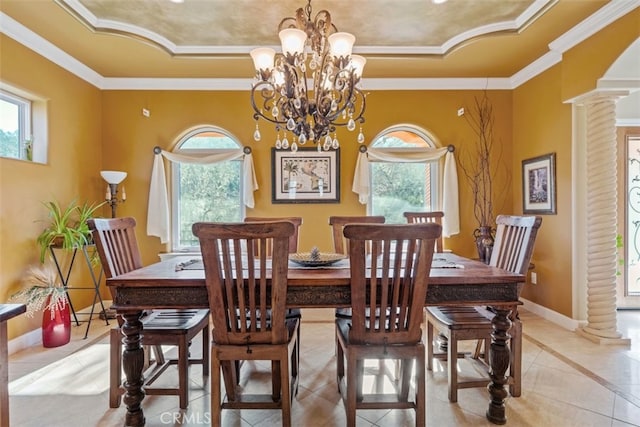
600	19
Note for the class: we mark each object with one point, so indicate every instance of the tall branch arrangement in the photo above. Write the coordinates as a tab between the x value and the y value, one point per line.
480	164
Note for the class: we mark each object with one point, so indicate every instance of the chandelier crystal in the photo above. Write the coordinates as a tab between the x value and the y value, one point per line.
311	88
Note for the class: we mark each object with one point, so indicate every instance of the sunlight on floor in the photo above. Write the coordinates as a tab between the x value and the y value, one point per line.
85	372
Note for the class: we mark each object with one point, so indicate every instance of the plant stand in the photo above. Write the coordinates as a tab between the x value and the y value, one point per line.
96	279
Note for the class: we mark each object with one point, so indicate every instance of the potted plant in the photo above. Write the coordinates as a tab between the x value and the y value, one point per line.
45	292
68	227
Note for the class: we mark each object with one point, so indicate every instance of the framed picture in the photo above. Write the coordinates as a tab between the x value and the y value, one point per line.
307	176
539	185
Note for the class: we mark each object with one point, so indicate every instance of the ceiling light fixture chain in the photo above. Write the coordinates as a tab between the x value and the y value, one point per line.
313	50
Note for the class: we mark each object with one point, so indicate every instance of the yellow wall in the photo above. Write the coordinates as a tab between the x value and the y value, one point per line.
90	130
542	123
74	159
130	137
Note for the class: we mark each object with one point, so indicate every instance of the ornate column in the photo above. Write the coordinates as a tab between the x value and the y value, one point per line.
601	214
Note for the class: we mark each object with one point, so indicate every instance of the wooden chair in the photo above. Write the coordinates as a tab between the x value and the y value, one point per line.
293	240
512	250
118	250
293	248
337	223
238	293
400	263
420	217
341	245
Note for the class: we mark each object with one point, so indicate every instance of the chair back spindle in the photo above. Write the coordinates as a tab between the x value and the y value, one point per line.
422	217
399	267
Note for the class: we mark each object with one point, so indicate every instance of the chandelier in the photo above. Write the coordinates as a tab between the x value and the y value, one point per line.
311	88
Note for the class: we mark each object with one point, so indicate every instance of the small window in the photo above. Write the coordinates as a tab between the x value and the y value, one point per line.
15	127
204	192
401	187
23	125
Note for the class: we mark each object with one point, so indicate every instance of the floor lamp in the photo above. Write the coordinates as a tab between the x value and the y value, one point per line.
114	178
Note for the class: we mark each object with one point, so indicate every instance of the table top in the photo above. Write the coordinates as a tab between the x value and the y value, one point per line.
7	311
454	280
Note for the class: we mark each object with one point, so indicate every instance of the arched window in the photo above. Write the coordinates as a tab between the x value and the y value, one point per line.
397	187
204	192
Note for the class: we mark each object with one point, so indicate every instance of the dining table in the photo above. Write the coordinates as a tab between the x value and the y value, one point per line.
179	282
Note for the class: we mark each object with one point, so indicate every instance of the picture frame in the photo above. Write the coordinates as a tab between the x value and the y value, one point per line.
539	185
316	175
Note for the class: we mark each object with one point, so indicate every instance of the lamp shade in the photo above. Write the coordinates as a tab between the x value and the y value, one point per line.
292	40
341	44
263	58
113	177
357	63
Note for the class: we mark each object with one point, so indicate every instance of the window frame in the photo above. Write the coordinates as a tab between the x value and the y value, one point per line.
25	121
434	172
175	178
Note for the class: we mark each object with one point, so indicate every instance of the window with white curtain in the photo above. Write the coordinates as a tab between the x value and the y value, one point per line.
204	192
397	187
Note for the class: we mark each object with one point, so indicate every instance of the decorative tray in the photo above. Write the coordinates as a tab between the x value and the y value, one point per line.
321	259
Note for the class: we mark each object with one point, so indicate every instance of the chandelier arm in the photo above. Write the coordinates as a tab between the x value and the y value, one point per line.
267	93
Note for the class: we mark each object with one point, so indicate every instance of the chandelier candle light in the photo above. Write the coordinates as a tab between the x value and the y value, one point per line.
114	178
282	95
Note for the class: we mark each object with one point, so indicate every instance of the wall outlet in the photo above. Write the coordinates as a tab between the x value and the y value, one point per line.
460	112
534	278
146	112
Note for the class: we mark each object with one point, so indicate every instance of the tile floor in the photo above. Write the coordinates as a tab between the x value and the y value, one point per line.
567	381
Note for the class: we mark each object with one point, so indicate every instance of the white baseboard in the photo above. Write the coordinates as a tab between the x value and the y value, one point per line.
552	316
24	341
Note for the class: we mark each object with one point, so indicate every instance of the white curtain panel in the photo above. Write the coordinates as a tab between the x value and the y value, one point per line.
449	199
158	208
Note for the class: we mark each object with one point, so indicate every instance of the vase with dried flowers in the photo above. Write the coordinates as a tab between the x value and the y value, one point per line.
44	292
480	166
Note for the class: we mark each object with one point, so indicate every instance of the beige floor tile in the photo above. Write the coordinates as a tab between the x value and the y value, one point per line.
567	381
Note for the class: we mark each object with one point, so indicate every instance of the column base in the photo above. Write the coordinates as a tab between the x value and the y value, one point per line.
602	340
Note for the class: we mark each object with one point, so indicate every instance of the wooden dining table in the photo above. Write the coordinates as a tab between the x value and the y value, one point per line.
179	283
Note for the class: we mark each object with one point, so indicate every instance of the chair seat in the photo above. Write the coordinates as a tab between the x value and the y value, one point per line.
461	317
179	322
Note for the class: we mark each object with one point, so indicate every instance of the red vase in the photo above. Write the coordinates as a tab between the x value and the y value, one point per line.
56	325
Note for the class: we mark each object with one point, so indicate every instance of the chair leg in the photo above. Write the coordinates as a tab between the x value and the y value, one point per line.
420	388
353	380
340	362
283	365
183	372
205	351
276	378
405	378
115	367
216	395
452	367
429	346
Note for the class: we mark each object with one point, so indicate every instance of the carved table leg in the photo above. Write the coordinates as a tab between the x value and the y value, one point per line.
499	360
133	362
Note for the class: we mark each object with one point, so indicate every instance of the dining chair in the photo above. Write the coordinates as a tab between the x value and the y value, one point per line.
239	293
512	251
119	253
390	281
341	245
293	240
293	248
337	223
420	217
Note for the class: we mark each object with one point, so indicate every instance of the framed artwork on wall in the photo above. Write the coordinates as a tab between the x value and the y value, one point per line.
539	185
307	176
